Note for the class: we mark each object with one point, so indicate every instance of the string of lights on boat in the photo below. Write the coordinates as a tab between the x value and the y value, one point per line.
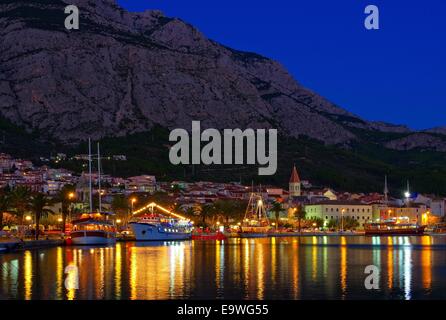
153	205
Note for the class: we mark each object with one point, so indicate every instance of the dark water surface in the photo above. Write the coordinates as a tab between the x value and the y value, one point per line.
272	268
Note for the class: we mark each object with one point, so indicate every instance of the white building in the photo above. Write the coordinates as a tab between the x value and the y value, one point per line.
335	210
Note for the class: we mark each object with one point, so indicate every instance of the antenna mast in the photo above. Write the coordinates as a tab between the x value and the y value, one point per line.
89	173
99	179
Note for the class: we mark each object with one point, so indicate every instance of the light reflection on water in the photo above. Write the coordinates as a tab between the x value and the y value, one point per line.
269	268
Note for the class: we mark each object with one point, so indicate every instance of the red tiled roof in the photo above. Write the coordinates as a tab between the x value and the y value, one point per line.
294	176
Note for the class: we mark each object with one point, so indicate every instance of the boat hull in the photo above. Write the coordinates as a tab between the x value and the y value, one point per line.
92	238
209	236
252	235
402	232
150	232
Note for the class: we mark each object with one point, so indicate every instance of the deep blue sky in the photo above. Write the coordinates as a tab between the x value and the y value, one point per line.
395	74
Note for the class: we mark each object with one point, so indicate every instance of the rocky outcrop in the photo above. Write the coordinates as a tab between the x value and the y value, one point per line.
124	72
437	130
418	141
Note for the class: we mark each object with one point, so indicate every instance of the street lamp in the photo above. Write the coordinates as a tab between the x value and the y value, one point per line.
28	218
133	200
118	221
342	220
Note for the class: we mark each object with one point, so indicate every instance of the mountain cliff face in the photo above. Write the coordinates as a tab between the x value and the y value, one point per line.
123	73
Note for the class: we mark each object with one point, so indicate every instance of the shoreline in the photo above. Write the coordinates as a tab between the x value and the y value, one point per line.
18	245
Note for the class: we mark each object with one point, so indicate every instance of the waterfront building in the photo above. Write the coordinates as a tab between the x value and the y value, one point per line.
415	213
335	210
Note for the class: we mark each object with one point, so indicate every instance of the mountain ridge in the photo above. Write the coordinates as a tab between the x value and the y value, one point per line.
124	75
125	72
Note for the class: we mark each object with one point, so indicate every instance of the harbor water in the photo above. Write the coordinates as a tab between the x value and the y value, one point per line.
314	267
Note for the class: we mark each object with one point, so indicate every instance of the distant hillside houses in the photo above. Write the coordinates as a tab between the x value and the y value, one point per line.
318	202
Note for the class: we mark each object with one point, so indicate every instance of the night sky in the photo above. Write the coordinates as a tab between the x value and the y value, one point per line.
395	74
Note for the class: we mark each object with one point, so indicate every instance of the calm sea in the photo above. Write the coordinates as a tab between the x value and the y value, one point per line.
321	267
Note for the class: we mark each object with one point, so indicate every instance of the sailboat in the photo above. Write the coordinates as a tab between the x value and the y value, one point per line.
93	228
256	223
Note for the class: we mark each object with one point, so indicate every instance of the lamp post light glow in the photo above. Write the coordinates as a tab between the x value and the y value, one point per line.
118	221
342	220
133	200
28	218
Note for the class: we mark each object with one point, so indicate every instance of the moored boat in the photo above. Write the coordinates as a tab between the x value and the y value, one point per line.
393	228
93	229
256	223
156	226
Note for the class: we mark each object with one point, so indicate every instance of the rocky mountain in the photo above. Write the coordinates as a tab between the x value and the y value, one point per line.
437	130
123	73
418	141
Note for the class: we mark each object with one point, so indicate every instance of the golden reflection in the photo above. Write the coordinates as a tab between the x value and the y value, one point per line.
260	273
59	272
158	272
71	292
390	262
314	259
273	260
219	264
295	269
133	273
343	266
426	262
246	268
99	274
118	270
28	274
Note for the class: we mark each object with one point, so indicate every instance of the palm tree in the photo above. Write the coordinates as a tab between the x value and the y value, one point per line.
20	200
277	209
120	206
300	214
65	197
204	211
37	205
5	201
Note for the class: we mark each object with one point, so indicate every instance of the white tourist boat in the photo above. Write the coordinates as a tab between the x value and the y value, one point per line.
93	228
156	227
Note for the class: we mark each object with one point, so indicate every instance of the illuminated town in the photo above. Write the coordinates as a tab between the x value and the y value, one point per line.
323	208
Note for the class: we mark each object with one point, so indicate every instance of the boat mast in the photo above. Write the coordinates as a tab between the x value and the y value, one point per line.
89	173
99	179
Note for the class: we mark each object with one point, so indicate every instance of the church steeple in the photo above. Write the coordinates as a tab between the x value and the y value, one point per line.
295	184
